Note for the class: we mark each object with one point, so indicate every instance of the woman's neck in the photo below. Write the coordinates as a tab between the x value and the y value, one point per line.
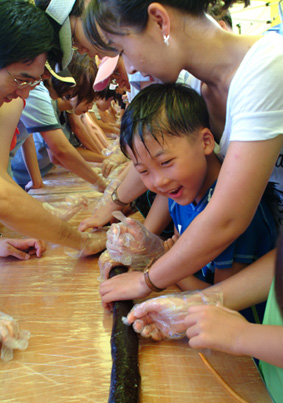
207	51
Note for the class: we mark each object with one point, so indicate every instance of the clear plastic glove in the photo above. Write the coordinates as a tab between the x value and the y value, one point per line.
131	243
103	210
68	208
113	161
100	184
112	147
91	243
11	337
105	264
164	316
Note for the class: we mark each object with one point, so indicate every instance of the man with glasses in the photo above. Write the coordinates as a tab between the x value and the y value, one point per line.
24	47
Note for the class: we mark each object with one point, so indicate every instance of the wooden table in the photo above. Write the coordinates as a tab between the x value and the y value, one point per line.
68	358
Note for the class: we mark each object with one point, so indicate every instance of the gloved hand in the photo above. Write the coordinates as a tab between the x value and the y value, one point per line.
67	208
105	264
131	243
163	317
11	337
91	243
112	162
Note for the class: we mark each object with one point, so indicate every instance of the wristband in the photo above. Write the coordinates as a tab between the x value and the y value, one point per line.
148	282
116	199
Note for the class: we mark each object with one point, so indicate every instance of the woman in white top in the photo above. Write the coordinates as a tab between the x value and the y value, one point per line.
240	78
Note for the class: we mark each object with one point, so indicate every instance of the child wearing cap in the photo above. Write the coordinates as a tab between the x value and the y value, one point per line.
39	118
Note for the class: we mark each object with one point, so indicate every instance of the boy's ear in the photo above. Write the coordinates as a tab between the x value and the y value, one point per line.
160	17
207	141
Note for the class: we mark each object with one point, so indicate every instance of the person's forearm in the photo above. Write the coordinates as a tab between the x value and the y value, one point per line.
68	156
263	342
250	286
74	162
31	162
21	213
95	132
158	216
131	187
82	133
106	127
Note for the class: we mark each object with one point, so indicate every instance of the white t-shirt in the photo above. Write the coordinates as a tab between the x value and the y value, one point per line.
254	109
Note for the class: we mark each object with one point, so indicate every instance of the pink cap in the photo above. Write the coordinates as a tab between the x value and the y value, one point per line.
105	70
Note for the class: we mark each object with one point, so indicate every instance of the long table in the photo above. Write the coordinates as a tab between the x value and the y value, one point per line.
56	298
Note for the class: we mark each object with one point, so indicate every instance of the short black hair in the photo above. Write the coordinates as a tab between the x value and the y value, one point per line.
25	32
171	109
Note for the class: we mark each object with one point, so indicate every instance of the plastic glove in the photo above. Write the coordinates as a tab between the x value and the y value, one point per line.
105	264
131	243
113	161
112	147
68	208
91	243
163	317
100	184
11	337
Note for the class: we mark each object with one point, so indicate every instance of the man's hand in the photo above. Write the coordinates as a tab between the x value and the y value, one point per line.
21	248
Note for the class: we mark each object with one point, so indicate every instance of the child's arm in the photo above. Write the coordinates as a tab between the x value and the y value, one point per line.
225	330
95	131
158	216
31	162
69	157
104	214
244	289
106	127
82	134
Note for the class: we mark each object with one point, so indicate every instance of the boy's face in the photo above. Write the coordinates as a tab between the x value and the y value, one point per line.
175	168
82	107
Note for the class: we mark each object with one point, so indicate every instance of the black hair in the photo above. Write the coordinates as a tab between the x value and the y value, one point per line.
84	71
171	109
25	32
116	16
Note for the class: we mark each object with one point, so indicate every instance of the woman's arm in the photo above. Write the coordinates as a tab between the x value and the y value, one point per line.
241	183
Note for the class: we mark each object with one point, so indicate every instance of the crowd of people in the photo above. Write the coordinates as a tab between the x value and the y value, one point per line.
186	119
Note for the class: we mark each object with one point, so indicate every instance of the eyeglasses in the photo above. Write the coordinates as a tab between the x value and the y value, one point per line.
25	84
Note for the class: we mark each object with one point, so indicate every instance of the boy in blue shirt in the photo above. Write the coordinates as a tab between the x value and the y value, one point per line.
165	132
